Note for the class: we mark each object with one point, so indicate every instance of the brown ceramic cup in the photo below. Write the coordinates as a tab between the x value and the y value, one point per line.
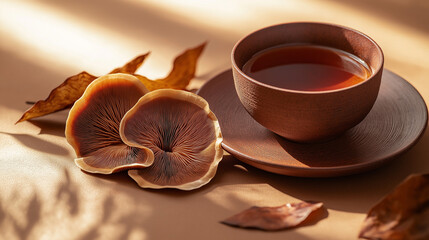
307	116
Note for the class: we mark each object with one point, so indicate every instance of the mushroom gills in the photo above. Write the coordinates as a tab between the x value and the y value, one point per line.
183	134
93	125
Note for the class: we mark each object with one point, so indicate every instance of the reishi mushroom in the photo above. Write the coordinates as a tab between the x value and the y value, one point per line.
92	127
183	134
165	138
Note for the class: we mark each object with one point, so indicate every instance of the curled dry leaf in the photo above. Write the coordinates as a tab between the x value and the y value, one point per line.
274	218
72	88
402	214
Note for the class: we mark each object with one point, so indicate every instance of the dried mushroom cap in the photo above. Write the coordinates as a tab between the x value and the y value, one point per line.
183	134
92	127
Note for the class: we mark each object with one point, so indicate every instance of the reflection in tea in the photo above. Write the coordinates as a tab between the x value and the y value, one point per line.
307	68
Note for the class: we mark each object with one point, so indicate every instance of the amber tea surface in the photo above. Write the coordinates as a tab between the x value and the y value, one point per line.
307	68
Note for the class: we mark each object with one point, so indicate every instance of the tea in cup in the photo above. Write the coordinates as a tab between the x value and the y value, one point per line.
307	82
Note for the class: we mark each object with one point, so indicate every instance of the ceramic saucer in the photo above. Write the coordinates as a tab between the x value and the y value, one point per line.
394	125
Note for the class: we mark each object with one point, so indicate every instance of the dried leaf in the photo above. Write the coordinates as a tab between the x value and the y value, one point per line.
184	67
131	66
72	88
274	218
61	97
402	214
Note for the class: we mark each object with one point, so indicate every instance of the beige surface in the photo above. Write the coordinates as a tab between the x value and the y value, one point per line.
43	195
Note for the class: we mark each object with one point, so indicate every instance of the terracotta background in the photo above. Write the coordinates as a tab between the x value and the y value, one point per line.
43	195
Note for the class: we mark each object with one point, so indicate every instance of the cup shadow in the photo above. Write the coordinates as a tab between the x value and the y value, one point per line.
321	154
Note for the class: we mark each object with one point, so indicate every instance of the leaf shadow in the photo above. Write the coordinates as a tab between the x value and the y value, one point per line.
50	127
32	216
67	192
145	212
38	144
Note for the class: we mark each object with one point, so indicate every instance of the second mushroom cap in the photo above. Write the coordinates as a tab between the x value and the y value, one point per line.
183	134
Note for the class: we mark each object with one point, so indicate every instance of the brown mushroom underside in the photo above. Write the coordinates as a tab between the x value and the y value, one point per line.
179	133
93	125
169	138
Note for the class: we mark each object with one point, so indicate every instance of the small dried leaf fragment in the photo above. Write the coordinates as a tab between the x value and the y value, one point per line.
274	218
71	90
184	67
402	214
131	66
92	127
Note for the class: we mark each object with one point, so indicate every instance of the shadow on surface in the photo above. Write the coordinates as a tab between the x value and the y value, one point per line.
50	127
38	144
325	154
355	193
32	213
139	20
24	80
150	211
394	11
315	217
67	191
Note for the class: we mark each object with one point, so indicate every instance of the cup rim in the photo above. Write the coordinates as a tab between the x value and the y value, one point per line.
376	71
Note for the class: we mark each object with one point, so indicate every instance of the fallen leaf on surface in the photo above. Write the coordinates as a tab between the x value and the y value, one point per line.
63	96
274	218
71	90
131	66
184	67
402	214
